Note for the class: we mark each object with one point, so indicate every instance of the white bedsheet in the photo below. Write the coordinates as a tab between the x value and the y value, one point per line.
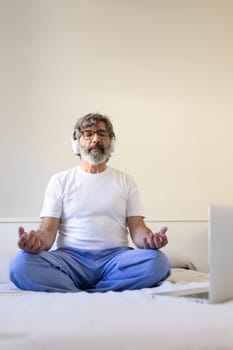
114	320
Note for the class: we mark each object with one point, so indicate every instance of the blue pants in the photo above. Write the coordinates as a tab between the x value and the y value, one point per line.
74	270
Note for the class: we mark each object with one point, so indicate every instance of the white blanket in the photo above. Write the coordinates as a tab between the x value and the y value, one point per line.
114	320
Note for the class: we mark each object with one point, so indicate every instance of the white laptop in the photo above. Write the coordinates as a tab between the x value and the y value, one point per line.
220	257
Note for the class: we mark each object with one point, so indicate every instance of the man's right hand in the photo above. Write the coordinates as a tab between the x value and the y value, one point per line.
31	242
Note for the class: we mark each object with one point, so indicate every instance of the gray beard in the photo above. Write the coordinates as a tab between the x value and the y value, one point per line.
94	158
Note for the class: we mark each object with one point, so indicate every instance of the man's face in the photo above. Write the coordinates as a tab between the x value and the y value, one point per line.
95	143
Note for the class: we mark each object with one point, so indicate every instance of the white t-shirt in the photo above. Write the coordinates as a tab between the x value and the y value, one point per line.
93	208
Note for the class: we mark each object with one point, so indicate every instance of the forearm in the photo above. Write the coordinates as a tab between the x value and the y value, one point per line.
138	230
48	231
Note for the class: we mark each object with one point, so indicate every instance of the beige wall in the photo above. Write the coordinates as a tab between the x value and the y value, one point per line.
162	69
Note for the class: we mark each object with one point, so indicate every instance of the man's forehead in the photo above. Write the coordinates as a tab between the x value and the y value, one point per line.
99	125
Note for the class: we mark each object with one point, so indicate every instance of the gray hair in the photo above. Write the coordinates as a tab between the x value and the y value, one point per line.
93	119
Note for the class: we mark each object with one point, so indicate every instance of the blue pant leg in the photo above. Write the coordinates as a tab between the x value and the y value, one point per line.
134	269
40	272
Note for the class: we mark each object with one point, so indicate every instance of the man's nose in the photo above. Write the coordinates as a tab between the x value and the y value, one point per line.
95	137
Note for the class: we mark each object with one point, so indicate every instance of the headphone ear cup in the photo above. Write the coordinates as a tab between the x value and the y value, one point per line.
112	146
75	146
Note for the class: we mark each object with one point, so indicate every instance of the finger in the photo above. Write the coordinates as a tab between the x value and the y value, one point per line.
151	240
163	230
146	245
21	230
165	240
23	237
161	240
37	245
157	241
23	241
31	239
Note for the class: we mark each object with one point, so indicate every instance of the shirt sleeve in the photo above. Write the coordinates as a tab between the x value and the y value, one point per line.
134	203
53	202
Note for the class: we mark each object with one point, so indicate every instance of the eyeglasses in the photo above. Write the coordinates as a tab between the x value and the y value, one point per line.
89	134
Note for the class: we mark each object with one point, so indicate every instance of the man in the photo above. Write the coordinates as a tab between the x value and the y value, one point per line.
89	210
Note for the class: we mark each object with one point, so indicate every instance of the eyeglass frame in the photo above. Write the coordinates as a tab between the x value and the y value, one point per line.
98	132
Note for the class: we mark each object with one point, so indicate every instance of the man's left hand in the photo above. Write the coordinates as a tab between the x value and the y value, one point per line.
156	240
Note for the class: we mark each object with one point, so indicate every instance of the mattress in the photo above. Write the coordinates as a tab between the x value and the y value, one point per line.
114	320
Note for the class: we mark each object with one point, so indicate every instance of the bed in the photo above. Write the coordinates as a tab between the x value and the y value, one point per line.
138	320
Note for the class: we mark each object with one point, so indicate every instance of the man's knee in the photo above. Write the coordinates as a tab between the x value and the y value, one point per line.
160	264
145	262
21	268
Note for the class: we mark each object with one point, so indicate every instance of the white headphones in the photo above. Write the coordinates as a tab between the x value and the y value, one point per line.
75	144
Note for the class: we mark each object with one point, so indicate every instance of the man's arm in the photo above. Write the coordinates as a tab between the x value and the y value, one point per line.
143	237
39	240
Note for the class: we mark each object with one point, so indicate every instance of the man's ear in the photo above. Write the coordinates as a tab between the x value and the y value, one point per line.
75	143
112	146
